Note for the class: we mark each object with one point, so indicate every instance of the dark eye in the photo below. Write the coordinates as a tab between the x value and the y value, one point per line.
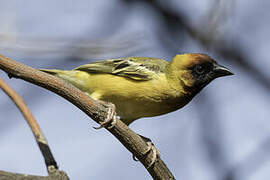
199	69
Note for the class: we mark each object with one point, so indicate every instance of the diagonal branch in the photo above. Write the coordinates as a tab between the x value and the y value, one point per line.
58	175
226	47
93	109
40	138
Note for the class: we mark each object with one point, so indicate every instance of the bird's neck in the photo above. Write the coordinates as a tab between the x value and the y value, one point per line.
178	80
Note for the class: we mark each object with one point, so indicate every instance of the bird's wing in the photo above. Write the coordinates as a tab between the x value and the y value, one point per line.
136	68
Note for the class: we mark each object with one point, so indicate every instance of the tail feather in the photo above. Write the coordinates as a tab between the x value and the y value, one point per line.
75	77
51	71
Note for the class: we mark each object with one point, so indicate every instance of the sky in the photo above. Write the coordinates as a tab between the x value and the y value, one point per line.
233	115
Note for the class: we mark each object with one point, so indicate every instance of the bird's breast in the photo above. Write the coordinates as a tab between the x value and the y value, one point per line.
136	99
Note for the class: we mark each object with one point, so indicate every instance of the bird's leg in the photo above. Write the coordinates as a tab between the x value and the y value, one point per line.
150	147
110	120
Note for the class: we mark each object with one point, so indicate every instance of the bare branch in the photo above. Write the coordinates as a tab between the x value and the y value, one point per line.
57	175
134	143
227	48
40	138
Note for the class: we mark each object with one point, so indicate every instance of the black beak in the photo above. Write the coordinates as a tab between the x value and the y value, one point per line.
220	71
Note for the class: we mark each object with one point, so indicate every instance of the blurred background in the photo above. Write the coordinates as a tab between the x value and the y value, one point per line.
224	133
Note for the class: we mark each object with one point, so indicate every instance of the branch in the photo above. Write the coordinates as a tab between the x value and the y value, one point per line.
39	137
57	175
134	143
226	47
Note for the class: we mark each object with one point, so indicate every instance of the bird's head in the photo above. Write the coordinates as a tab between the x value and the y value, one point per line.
194	71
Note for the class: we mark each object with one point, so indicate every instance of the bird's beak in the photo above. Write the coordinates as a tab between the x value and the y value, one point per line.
220	71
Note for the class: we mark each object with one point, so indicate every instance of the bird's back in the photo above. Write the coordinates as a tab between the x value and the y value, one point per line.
135	68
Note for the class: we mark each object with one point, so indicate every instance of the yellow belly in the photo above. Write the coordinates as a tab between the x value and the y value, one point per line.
133	99
130	109
136	99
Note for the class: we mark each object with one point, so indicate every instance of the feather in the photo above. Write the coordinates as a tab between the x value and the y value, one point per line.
135	68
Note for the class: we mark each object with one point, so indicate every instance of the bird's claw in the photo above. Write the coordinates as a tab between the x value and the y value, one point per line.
155	152
110	120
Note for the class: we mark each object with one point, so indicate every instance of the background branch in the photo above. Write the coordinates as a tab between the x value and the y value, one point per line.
58	175
39	137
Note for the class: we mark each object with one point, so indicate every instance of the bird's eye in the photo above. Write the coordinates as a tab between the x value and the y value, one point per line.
199	69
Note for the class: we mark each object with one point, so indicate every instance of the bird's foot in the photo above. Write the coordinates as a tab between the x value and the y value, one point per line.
110	120
155	151
150	148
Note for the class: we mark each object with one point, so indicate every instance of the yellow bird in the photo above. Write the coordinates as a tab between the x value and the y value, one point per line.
142	86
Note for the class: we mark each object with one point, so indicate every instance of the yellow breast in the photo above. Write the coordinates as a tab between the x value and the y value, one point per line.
136	99
133	99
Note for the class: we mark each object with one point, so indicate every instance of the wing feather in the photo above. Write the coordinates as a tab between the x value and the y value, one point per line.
136	68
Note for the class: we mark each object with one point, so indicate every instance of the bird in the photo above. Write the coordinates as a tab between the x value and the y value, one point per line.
144	86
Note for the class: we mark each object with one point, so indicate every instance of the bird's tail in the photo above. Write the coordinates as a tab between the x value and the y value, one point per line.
79	79
52	71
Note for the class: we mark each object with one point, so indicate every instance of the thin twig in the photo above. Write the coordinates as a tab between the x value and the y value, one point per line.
134	143
39	136
57	175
